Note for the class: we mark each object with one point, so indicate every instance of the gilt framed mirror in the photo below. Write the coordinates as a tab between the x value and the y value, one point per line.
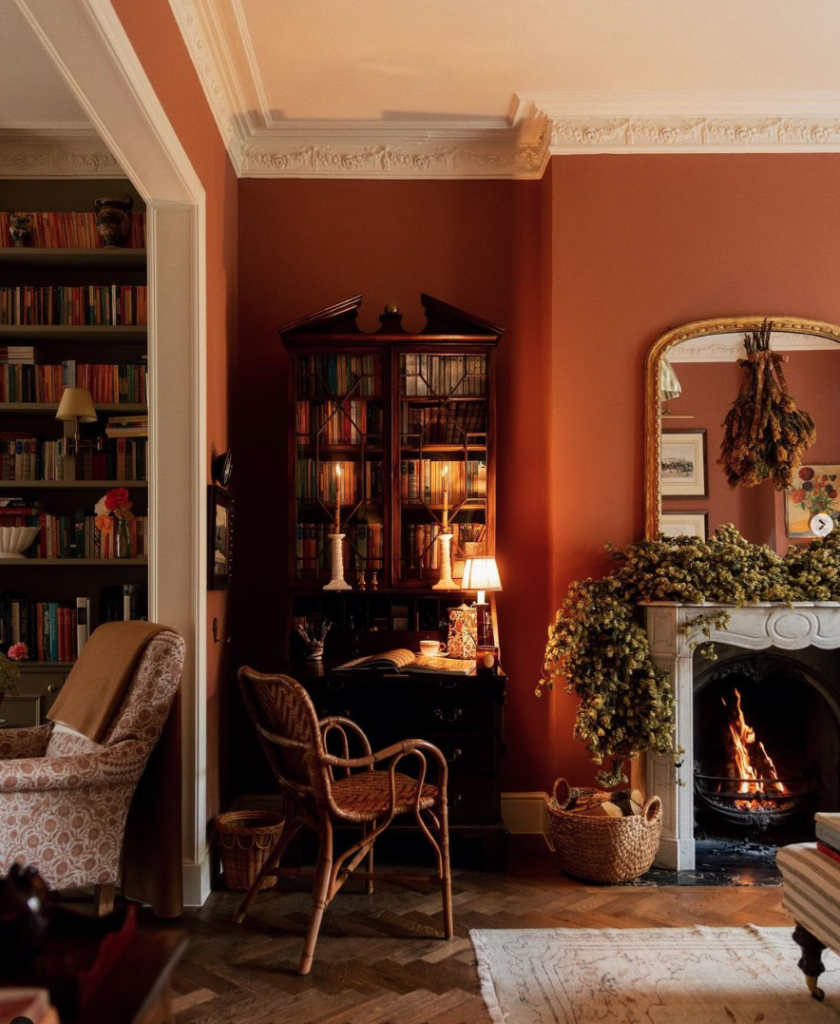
693	376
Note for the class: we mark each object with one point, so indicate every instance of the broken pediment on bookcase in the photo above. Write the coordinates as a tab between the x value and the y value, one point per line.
442	322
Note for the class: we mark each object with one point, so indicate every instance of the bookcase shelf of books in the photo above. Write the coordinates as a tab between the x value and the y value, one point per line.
71	312
404	425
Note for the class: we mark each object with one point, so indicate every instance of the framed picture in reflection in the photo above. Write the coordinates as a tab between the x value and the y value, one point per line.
683	464
685	524
815	489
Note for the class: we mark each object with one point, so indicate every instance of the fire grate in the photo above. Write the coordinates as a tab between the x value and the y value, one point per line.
757	803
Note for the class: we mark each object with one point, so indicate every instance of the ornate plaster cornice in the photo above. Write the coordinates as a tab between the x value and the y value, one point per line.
262	144
55	151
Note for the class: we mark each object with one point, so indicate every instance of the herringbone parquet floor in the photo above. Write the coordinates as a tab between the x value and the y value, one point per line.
379	959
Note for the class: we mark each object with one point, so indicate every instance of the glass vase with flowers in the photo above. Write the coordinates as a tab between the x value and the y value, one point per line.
113	520
10	669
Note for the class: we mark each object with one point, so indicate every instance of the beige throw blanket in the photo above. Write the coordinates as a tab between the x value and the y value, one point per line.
97	683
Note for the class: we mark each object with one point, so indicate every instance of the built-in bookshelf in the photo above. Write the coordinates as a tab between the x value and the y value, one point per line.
394	433
72	313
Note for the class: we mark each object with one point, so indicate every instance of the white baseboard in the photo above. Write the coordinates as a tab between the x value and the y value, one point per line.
196	882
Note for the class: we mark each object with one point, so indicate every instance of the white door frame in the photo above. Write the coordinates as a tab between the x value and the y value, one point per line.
91	50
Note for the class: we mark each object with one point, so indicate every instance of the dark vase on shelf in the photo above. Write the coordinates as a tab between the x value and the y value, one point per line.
123	539
113	220
20	228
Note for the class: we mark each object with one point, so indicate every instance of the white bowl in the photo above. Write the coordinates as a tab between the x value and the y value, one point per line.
14	540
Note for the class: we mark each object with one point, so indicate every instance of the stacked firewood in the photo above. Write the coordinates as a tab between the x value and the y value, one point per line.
623	803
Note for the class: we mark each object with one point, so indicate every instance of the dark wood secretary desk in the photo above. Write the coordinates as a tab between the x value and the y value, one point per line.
392	409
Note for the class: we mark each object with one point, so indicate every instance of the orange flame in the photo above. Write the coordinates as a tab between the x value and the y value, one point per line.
754	768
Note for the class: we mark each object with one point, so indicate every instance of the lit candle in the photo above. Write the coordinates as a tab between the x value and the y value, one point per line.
446	496
338	497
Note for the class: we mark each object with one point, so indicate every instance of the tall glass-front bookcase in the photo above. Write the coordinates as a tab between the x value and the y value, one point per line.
392	433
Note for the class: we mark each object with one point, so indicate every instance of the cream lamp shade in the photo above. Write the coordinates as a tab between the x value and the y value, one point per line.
481	574
669	382
76	403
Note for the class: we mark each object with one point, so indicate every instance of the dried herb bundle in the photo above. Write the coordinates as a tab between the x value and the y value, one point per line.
765	435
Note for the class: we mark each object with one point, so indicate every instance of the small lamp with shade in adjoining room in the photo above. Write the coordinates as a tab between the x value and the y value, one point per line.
482	574
77	407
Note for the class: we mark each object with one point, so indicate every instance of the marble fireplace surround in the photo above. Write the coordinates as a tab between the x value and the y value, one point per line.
755	627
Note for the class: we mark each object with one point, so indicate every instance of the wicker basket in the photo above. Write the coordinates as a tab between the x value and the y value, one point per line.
245	840
603	849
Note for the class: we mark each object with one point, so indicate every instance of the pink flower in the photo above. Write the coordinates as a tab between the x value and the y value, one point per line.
116	498
18	652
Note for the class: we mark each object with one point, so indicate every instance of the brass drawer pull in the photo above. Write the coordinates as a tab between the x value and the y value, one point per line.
453	717
453	801
54	687
453	755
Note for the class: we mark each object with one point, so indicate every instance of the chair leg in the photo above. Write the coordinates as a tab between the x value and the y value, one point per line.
286	836
320	896
810	963
103	899
366	828
446	872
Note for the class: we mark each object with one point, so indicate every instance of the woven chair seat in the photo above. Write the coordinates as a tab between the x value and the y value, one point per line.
366	796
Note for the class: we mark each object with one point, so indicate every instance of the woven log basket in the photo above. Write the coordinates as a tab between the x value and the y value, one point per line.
245	840
599	849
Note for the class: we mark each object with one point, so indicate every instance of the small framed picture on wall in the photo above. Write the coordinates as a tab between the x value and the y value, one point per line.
685	524
220	538
683	464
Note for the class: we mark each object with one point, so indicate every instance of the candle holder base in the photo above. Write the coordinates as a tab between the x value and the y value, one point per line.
337	581
445	582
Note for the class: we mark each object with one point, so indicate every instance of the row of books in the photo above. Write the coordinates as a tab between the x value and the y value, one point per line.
337	375
76	535
315	479
363	541
451	425
58	631
349	422
74	230
461	376
18	354
424	478
130	425
40	459
115	305
107	382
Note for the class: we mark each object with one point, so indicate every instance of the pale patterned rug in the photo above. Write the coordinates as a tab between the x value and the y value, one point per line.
650	976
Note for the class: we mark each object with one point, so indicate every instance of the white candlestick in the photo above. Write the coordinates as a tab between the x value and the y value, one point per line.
445	582
337	582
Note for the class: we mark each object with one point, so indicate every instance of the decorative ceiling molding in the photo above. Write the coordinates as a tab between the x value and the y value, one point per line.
728	348
540	125
55	151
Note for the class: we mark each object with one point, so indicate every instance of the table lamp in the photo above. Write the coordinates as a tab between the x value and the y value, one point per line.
482	574
77	407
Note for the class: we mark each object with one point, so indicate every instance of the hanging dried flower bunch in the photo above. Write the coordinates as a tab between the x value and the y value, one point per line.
765	435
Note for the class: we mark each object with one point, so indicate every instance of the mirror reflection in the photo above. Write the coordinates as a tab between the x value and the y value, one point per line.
750	435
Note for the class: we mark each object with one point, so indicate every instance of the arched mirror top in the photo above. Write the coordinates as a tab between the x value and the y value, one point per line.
692	379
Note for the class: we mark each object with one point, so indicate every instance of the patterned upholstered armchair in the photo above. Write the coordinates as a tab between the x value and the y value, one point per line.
64	799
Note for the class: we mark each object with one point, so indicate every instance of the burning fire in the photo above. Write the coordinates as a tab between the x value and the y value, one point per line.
750	764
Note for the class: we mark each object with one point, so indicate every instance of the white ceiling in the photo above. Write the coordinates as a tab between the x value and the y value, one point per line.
44	133
33	92
492	88
428	58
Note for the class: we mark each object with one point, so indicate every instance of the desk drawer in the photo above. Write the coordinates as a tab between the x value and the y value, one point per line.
473	802
442	717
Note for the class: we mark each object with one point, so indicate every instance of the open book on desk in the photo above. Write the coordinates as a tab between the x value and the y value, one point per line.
403	660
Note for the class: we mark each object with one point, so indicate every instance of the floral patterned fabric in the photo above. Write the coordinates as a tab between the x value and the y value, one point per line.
64	800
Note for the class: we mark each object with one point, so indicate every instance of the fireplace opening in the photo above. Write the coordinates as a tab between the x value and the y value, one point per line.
766	756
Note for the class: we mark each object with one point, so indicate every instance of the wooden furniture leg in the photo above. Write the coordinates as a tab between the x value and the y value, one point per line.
286	836
103	899
369	884
320	896
810	963
446	872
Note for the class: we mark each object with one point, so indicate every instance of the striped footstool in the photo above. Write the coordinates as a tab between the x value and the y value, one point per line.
812	898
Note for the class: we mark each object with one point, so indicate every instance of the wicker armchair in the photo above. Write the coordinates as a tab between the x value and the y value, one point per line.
296	745
64	799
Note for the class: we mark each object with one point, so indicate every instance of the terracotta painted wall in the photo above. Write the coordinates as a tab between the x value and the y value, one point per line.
157	40
477	245
641	244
